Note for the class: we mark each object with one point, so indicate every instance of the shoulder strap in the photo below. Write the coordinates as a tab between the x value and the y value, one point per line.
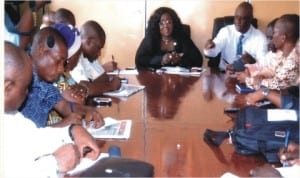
215	137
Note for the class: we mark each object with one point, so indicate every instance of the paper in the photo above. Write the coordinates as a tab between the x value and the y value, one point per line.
114	129
124	72
181	71
282	115
86	163
125	90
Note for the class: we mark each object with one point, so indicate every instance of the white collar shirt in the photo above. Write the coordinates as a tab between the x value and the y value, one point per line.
254	43
22	143
86	70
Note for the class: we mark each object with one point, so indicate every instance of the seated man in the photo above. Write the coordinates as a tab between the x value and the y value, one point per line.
30	151
48	55
48	19
240	40
21	32
66	16
88	72
283	70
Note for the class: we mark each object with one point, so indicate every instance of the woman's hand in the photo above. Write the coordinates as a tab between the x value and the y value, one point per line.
171	58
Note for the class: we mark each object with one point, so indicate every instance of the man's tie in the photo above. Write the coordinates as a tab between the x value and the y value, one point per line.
239	48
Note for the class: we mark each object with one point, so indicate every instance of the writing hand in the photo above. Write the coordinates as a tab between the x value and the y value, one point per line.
93	117
290	155
110	66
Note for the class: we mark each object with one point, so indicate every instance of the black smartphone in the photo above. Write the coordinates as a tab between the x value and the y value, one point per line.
100	101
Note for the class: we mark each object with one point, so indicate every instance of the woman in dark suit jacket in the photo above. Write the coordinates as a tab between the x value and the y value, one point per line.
166	43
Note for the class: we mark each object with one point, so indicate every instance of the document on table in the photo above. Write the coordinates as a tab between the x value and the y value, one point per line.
194	71
282	115
86	163
125	90
113	129
124	72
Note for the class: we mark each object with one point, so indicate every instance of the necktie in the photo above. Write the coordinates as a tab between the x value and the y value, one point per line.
239	48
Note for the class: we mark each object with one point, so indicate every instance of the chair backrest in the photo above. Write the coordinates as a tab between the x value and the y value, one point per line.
186	29
220	22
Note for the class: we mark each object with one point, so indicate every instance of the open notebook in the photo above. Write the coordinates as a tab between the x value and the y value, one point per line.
125	90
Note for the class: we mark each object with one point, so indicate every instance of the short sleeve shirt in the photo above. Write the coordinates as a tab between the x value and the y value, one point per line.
86	70
40	101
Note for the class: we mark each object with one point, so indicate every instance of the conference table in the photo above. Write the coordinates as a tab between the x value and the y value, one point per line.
169	117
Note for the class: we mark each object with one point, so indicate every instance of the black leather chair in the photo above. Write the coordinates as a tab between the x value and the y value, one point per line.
186	29
220	22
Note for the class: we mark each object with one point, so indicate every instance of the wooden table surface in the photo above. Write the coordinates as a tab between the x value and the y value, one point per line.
170	117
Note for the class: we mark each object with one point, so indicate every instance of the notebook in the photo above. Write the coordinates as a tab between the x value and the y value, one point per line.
125	90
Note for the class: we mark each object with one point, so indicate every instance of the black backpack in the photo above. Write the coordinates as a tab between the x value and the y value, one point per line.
252	133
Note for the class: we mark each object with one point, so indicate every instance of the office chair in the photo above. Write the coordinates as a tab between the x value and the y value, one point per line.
219	23
186	29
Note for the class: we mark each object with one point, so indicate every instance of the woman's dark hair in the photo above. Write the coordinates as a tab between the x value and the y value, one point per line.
153	31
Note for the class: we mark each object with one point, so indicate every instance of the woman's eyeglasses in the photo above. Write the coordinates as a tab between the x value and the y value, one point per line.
165	22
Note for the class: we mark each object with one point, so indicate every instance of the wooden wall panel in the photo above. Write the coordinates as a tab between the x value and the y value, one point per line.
124	21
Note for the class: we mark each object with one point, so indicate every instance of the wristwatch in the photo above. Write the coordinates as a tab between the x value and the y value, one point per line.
265	92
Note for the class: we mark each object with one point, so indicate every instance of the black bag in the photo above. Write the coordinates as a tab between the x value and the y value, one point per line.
119	167
252	133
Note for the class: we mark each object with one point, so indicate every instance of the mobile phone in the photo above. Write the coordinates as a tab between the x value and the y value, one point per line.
124	80
100	101
231	110
130	68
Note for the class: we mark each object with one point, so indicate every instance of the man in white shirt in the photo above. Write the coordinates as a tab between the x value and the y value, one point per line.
88	72
253	42
28	151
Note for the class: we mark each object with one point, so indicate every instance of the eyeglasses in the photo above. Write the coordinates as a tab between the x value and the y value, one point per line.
165	22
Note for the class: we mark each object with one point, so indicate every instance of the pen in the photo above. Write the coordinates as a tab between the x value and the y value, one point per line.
286	142
113	59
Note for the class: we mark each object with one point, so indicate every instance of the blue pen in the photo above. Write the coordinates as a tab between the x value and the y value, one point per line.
286	142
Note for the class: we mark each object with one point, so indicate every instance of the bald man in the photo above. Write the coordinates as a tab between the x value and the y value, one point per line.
88	71
253	42
46	152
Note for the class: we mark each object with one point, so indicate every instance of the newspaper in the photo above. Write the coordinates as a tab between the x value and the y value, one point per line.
113	129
